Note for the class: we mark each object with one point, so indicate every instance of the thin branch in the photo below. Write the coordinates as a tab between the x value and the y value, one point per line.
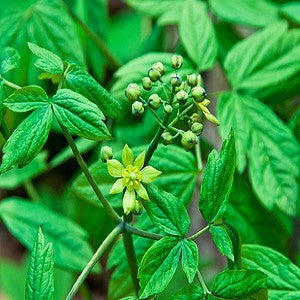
200	232
142	233
201	280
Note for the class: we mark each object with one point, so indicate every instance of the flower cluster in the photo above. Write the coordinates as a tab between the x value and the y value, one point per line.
131	176
181	96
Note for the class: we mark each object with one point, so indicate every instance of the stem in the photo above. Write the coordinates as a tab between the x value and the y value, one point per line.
182	114
201	280
107	207
100	44
100	251
148	235
200	232
198	155
31	191
10	84
4	131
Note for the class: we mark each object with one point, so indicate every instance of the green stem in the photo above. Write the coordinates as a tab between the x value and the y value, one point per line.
100	44
4	131
201	280
198	155
31	191
200	232
148	235
181	114
100	251
10	84
107	207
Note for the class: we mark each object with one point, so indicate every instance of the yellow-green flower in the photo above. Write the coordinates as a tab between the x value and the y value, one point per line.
131	175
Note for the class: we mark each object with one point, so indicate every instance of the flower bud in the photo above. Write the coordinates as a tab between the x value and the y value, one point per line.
175	80
198	93
205	102
147	83
138	208
212	118
199	80
154	101
106	153
168	109
137	108
132	92
176	61
192	80
197	128
195	118
154	74
189	140
182	97
167	138
161	68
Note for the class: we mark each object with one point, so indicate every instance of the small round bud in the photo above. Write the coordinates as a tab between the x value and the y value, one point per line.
198	93
138	208
167	138
154	74
195	118
147	83
132	92
197	128
189	140
161	68
175	80
154	101
177	61
168	109
106	153
191	80
137	108
182	97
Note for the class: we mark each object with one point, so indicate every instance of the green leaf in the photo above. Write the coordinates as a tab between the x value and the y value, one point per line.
40	280
70	246
273	75
79	115
9	60
222	240
238	283
272	149
158	266
83	83
190	292
291	11
27	98
167	212
197	34
14	178
47	61
27	140
43	22
217	180
283	276
189	259
256	13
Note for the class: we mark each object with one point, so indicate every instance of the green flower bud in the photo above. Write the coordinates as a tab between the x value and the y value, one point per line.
168	109
197	128
137	108
182	97
147	83
210	117
167	138
192	80
106	153
154	74
184	86
138	208
205	102
198	93
195	118
161	68
132	92
175	80
154	101
176	61
199	80
189	140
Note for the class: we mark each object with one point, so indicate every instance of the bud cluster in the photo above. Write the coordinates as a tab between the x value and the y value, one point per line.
179	96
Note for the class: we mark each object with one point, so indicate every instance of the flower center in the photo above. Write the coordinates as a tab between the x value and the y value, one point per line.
131	177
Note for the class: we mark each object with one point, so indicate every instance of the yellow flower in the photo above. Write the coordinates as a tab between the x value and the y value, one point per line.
131	175
209	116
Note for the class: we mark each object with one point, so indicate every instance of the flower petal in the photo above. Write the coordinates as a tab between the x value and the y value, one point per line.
129	201
117	187
141	191
127	156
140	160
114	168
149	174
